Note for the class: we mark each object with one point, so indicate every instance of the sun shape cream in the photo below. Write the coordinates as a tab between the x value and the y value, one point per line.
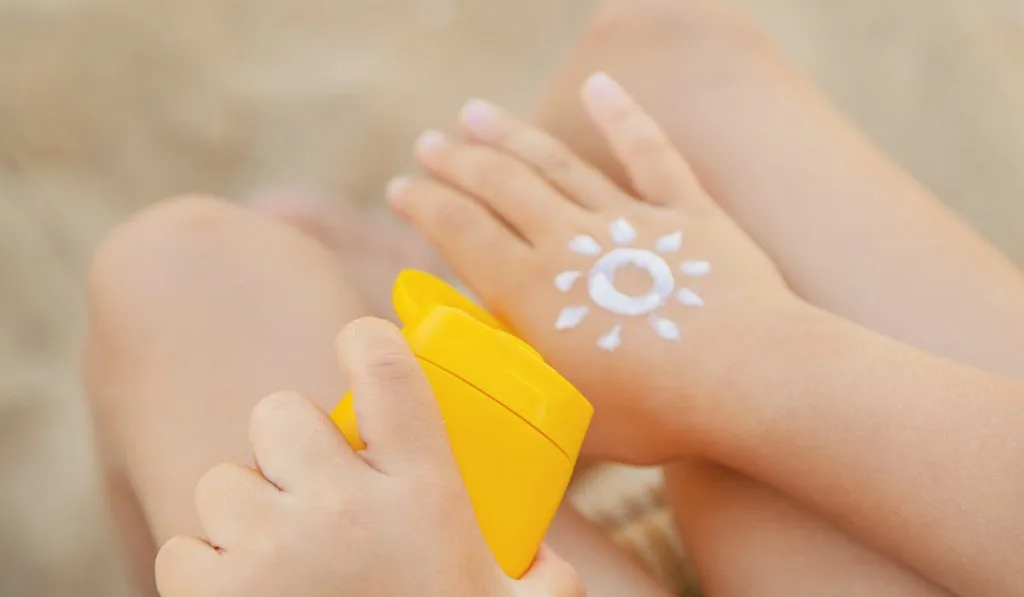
515	425
605	294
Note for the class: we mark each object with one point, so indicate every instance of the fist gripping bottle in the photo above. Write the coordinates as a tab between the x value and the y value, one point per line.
515	425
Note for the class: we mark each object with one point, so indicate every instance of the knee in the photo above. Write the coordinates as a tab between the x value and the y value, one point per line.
154	247
152	267
138	274
615	15
162	232
691	29
193	262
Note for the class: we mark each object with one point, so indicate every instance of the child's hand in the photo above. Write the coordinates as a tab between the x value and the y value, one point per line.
319	520
647	303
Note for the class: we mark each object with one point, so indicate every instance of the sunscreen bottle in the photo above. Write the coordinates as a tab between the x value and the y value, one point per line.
515	425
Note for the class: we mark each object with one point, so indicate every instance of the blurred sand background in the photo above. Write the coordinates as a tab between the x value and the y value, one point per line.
106	105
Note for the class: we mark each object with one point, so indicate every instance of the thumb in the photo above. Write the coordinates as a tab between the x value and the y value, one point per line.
398	416
550	576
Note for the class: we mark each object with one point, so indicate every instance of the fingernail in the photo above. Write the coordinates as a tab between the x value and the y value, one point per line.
430	141
479	117
396	186
601	88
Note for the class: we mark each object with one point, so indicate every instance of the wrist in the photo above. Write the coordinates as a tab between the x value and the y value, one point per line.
756	370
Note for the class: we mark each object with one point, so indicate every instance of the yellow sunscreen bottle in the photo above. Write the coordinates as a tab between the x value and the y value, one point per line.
515	425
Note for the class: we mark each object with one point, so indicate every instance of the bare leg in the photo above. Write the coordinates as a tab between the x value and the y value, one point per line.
850	231
200	308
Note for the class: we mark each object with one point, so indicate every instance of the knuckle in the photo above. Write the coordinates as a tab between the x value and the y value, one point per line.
451	216
174	562
621	118
488	169
168	556
423	203
215	482
553	158
392	366
647	146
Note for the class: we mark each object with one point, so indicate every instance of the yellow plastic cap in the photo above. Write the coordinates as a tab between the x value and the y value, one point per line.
416	292
452	332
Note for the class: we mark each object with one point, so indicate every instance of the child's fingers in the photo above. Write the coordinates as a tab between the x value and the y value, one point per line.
231	501
579	181
296	445
399	418
469	237
186	567
658	171
504	184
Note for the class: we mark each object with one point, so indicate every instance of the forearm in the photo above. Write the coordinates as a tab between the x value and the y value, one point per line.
919	456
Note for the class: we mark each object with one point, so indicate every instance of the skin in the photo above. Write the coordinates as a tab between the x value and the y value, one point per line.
814	435
773	153
849	230
282	527
914	454
545	196
173	376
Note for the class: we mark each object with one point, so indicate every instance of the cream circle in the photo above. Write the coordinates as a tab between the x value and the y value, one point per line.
601	281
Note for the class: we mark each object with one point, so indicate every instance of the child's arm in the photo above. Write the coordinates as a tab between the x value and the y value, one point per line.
710	353
316	519
918	455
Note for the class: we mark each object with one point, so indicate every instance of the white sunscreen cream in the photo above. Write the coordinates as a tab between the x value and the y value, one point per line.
604	293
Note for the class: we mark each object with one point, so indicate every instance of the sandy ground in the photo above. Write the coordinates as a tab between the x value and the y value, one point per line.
106	105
